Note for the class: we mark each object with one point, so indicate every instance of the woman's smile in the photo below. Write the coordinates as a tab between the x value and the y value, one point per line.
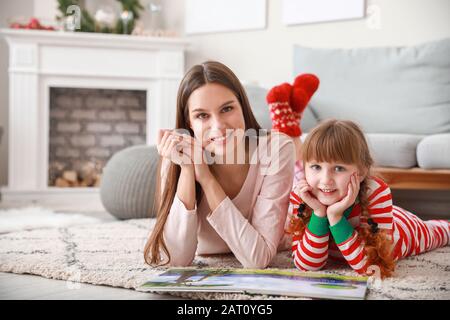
223	139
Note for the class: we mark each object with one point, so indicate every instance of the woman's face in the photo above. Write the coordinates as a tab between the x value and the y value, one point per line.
216	117
329	181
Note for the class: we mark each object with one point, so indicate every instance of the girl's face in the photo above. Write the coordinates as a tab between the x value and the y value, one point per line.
329	181
215	116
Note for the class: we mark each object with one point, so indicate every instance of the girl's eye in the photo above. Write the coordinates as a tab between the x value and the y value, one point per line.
315	167
201	116
227	109
339	169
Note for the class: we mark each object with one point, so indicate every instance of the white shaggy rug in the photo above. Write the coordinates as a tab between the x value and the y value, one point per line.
111	254
36	217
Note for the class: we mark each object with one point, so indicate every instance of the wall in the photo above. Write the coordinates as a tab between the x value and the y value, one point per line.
8	10
402	22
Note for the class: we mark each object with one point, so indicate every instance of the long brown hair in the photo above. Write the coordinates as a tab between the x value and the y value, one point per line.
344	141
196	77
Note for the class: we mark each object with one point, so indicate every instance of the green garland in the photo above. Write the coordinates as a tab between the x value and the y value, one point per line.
87	22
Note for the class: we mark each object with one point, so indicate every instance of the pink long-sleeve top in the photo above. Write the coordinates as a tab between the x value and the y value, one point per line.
251	225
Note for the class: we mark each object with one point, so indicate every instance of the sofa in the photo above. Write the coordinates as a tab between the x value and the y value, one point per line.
400	96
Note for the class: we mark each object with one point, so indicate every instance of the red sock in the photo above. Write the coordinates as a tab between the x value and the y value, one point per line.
287	103
281	113
304	87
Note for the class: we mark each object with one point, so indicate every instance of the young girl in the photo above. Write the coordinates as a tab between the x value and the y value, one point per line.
220	207
340	211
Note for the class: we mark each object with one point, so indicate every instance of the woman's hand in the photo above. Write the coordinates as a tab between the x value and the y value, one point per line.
172	146
198	158
336	211
186	151
303	189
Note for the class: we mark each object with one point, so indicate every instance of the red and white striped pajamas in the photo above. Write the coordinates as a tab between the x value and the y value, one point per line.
410	235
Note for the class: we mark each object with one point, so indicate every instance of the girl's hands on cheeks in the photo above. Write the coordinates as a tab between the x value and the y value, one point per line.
336	211
303	189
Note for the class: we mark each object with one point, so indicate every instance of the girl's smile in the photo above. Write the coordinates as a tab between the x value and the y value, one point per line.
327	192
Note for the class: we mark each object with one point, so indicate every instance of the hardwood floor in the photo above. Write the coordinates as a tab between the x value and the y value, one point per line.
30	287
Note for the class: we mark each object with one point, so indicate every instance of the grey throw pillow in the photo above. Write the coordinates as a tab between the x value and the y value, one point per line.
128	184
393	150
433	152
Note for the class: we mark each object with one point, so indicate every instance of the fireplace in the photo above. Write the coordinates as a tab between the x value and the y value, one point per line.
45	65
88	126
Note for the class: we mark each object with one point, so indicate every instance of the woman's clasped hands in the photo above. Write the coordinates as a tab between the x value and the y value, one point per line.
185	151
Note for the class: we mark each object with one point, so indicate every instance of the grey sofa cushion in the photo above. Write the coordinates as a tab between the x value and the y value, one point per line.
433	152
385	90
393	150
127	188
257	98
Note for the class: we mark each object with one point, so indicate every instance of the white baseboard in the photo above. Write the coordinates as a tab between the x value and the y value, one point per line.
86	199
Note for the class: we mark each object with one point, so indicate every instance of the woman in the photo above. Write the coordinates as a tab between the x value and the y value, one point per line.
220	206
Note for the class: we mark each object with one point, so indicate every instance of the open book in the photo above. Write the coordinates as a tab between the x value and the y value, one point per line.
257	281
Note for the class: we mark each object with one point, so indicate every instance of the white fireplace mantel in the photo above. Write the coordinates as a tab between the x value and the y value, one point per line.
39	60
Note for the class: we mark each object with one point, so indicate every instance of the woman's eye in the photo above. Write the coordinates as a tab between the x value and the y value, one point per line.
315	167
201	116
339	169
227	109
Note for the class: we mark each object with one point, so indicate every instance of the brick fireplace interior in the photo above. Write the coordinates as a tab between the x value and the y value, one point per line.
87	127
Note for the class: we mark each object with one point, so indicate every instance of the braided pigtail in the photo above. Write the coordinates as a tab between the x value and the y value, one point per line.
299	220
378	243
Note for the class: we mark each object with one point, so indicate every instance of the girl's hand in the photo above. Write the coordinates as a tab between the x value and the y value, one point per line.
172	146
336	211
303	189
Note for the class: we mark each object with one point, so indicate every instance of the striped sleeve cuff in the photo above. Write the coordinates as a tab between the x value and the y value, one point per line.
318	226
341	231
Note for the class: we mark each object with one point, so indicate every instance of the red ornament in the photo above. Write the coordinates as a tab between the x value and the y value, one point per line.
33	24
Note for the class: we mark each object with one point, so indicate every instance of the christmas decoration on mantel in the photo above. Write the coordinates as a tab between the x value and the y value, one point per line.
73	17
105	20
33	24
